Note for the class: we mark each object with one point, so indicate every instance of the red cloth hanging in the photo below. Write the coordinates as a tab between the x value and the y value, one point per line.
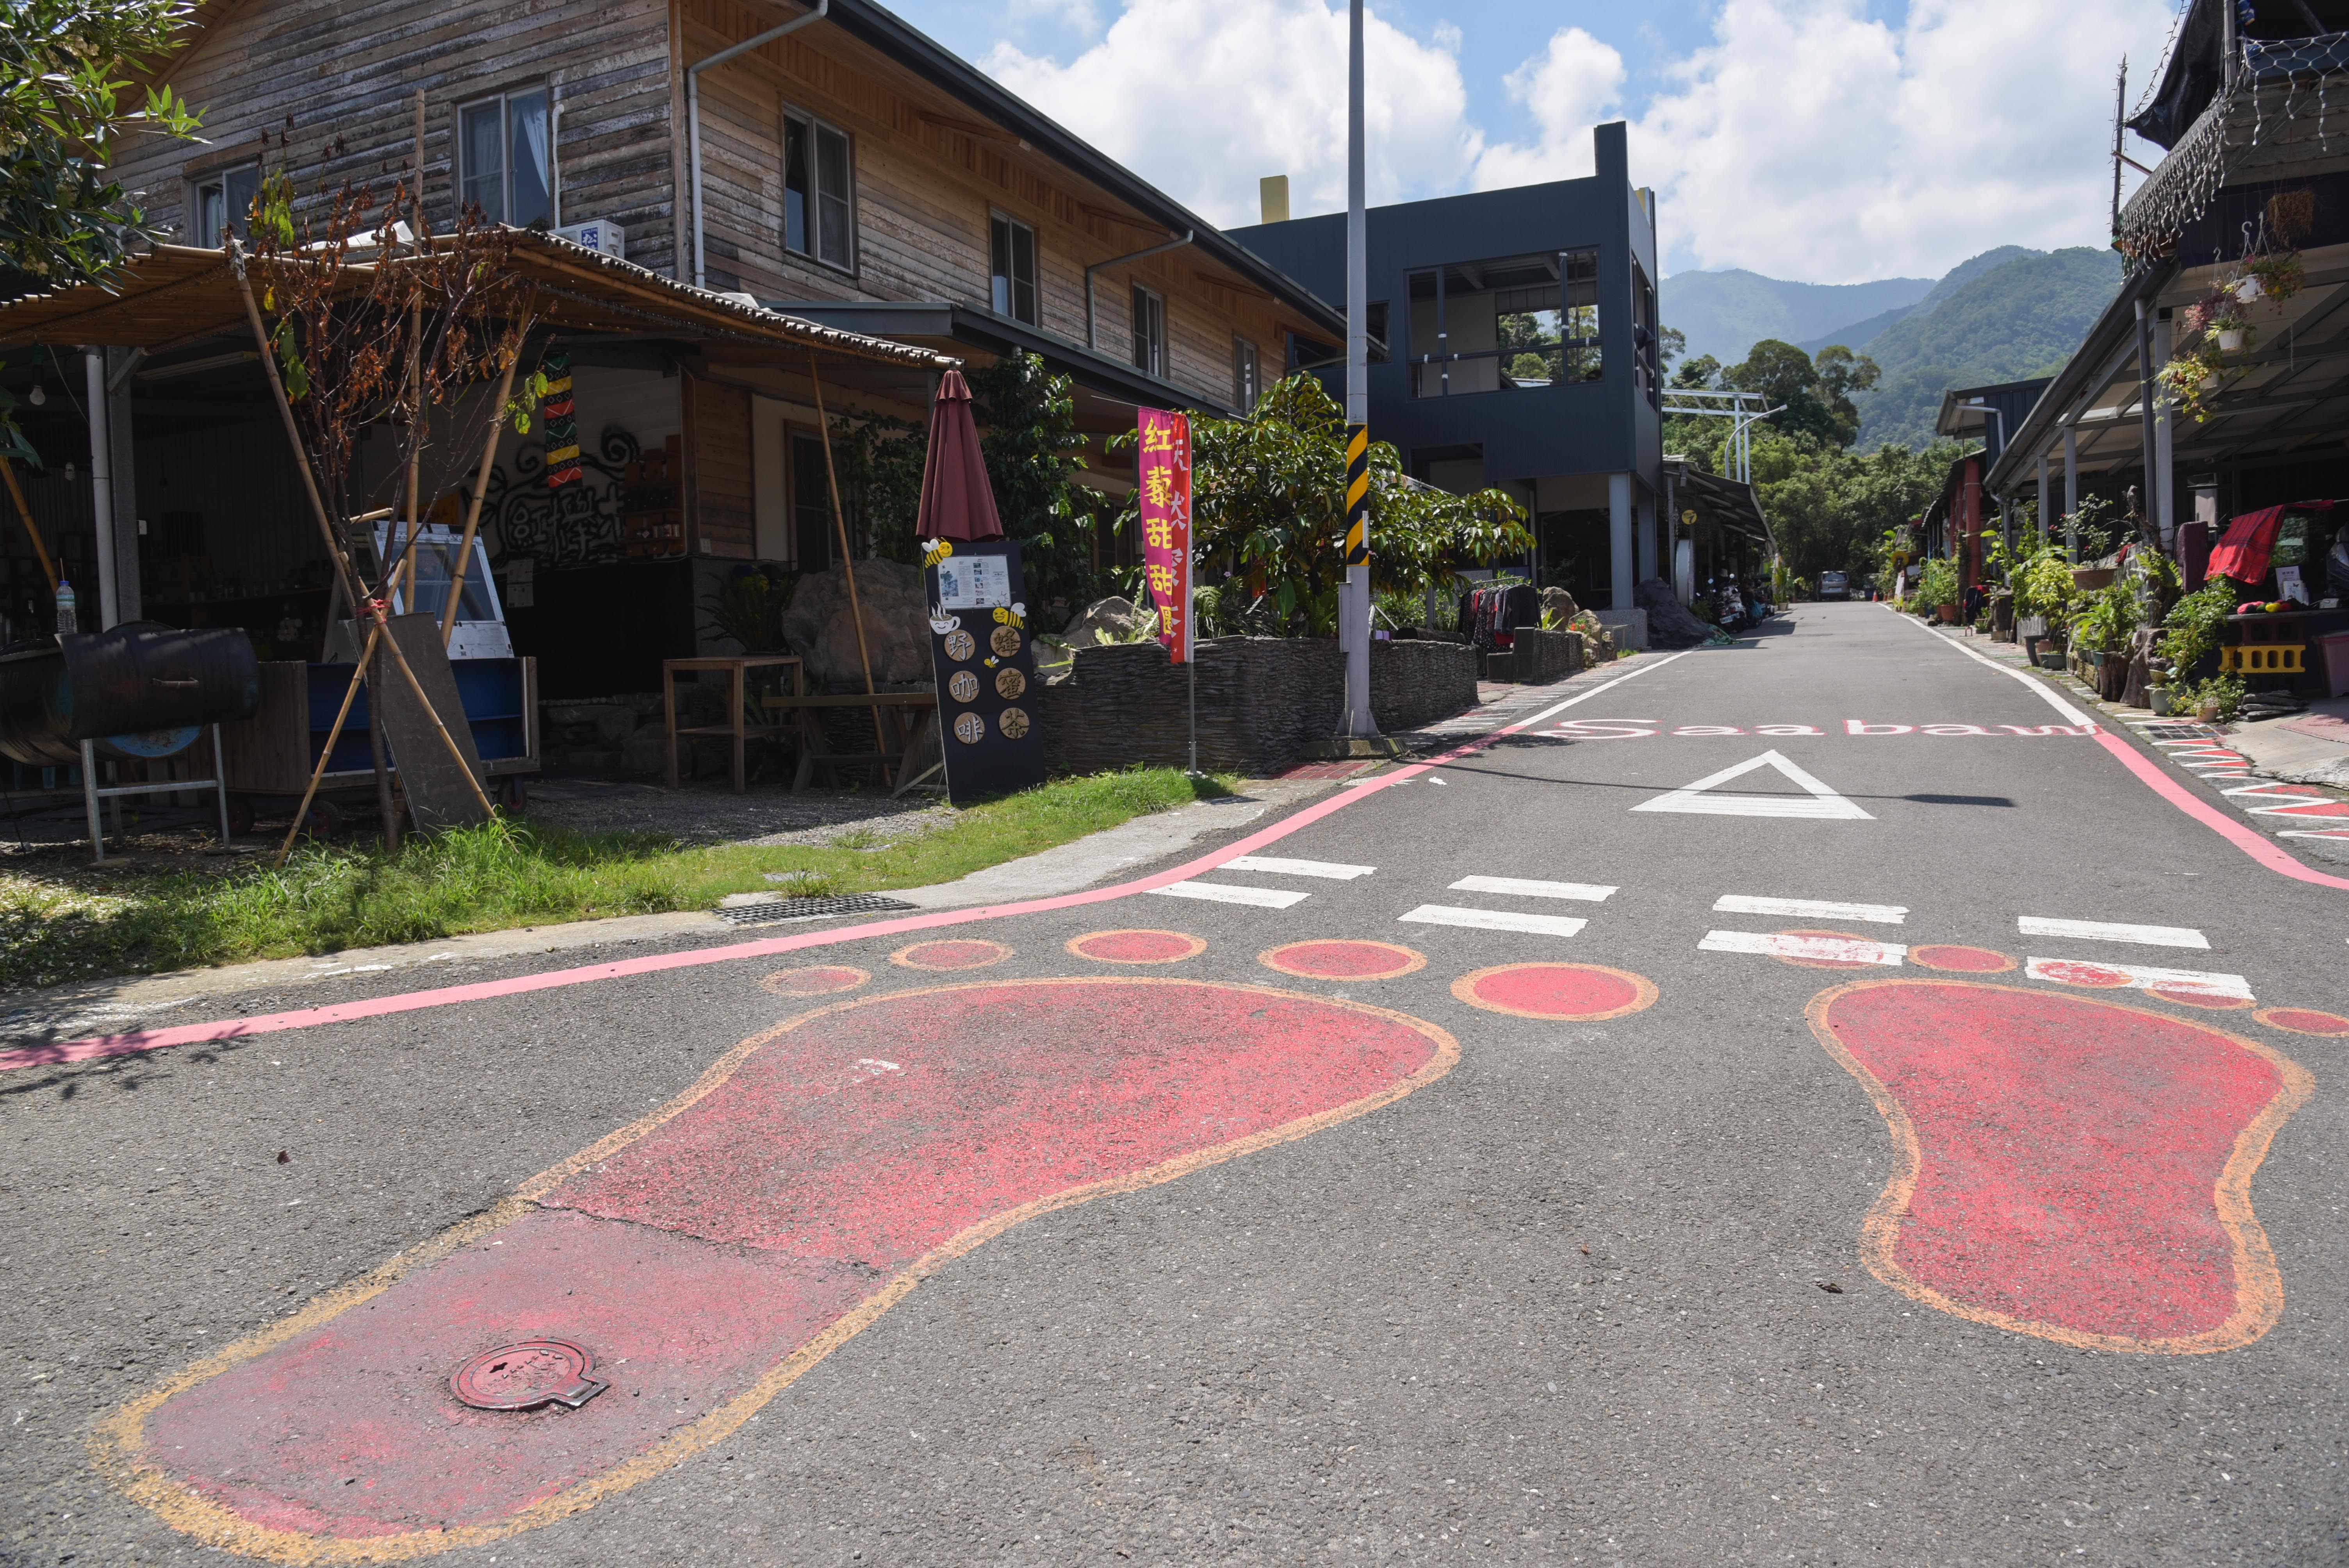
2250	541
956	501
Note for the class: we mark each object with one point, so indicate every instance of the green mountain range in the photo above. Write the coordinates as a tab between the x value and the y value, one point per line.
1726	314
2016	318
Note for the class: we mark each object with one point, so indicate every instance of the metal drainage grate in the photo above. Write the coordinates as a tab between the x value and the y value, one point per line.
526	1375
759	911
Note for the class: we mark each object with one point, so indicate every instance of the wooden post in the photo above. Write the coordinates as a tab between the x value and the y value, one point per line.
350	693
847	567
480	488
25	513
391	645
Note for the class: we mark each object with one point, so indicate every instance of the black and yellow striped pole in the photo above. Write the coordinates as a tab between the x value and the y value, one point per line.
1358	494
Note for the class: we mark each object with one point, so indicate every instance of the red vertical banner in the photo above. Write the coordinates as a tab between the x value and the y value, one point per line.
1164	477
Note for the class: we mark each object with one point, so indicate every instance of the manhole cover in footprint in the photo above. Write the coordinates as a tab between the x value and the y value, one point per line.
526	1375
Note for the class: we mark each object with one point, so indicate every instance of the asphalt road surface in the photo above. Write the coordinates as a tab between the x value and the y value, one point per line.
1921	1146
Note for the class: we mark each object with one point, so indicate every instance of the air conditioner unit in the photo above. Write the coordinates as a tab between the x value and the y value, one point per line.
600	234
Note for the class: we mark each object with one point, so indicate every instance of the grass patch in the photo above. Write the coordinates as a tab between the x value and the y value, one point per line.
93	921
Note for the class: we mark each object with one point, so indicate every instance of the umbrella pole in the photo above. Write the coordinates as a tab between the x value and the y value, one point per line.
848	567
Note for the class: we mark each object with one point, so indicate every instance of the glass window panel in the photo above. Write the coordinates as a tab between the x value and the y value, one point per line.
209	209
481	176
999	265
529	189
831	197
796	211
1521	322
1023	273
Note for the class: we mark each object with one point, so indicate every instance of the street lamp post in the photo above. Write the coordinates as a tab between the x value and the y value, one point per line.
1355	600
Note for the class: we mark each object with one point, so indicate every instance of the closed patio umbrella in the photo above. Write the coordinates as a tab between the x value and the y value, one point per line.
956	501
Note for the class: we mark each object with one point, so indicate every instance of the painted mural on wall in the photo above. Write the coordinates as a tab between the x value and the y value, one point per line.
577	524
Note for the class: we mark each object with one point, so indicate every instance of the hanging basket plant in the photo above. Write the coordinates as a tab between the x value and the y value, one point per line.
2193	379
2276	276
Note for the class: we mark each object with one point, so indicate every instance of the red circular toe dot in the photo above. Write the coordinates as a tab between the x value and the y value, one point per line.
820	981
963	953
1342	960
1583	992
2305	1021
2198	996
1137	947
1964	960
2071	973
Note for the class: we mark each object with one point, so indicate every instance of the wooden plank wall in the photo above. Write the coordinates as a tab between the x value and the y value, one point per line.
718	461
927	173
349	69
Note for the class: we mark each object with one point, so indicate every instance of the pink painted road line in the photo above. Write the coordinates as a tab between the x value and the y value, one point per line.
2241	835
448	996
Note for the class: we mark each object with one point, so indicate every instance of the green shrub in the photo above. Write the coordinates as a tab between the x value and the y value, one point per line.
1937	584
2190	630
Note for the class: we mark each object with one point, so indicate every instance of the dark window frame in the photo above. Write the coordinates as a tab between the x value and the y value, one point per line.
1004	234
1148	308
1248	373
1440	358
505	101
824	214
235	219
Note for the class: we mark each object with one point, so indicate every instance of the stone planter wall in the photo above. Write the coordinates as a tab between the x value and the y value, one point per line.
1261	701
1546	657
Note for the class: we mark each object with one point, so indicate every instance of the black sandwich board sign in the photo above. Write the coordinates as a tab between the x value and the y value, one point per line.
980	652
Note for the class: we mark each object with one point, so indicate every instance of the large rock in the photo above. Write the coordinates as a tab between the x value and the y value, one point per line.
896	625
1106	621
1670	624
1557	607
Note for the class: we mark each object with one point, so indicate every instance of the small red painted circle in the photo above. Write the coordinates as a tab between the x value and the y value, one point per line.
959	952
1584	993
1332	960
1826	963
1964	960
2199	996
526	1375
1138	946
2071	973
820	981
2305	1021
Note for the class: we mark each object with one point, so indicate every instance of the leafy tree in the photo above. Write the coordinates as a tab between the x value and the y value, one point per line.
63	112
1703	371
1812	397
1671	343
880	461
1029	419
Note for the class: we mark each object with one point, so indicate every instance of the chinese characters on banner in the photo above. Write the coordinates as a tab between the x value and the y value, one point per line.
1164	475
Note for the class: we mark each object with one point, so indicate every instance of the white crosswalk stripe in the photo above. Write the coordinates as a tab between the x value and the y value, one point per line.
2111	930
1524	887
2141	977
1814	908
1331	869
1225	892
1787	944
1496	920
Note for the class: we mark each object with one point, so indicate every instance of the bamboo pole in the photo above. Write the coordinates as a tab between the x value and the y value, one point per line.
480	488
350	693
847	566
39	549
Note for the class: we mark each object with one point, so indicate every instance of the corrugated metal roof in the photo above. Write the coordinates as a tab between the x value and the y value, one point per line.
179	294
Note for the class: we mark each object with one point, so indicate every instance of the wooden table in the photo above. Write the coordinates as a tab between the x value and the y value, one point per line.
737	668
816	746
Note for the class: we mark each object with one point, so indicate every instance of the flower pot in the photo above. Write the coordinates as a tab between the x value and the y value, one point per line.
2160	698
1946	613
2249	288
2208	713
2088	578
2230	339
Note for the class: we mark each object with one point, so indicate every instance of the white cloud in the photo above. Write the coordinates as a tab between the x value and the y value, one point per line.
1566	89
1079	14
1205	97
1809	141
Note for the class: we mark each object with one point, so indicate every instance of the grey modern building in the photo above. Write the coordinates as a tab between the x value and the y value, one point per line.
1519	333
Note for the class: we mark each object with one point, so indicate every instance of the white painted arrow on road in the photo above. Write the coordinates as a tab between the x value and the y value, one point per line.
1818	802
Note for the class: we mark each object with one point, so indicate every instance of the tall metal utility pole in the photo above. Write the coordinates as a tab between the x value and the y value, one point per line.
1354	601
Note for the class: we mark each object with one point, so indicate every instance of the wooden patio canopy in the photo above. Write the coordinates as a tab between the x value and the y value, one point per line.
177	295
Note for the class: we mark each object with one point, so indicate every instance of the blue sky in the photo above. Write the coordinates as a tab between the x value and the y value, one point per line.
1826	141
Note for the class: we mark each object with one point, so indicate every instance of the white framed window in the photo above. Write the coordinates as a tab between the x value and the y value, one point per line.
1248	376
1011	247
1149	332
505	162
222	204
818	202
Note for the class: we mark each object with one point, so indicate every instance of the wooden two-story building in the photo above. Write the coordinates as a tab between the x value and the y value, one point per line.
828	162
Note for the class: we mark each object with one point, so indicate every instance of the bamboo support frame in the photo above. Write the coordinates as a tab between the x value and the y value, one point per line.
16	494
310	791
847	566
480	488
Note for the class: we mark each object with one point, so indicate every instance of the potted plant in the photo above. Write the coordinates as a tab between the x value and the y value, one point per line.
2277	275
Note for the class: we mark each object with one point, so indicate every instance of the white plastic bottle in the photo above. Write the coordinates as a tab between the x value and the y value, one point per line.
65	623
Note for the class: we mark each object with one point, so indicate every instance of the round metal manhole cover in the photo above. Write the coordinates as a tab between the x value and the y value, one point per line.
526	1375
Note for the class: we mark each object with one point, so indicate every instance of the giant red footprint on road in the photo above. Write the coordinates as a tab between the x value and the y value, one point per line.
2068	1168
712	1253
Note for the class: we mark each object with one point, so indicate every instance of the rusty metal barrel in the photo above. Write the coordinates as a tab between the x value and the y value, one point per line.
136	683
